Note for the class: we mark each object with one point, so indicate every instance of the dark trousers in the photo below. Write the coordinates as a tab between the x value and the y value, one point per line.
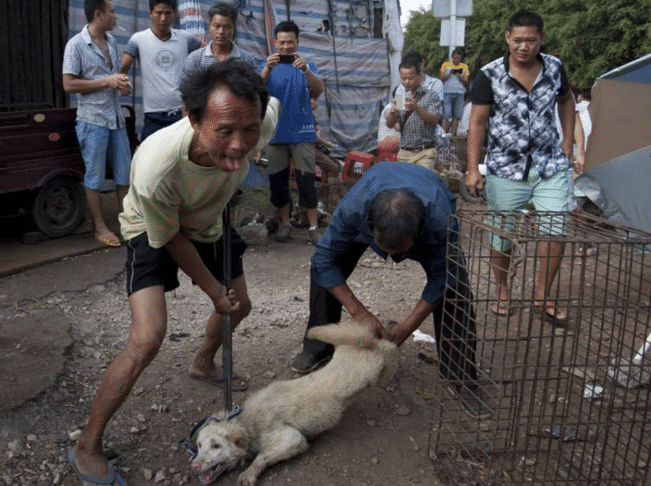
155	121
454	321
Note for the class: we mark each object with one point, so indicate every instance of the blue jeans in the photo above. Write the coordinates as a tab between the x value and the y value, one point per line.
156	120
99	144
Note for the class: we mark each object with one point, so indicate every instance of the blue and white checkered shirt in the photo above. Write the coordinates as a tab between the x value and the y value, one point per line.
84	59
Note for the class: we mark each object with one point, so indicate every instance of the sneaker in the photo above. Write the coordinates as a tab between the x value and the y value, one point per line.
284	233
313	235
472	403
305	362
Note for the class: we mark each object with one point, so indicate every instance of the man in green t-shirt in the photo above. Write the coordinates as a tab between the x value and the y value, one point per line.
181	180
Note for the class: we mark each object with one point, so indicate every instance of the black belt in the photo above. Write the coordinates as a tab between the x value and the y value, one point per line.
425	146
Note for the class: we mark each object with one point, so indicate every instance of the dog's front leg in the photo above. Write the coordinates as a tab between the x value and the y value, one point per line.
277	446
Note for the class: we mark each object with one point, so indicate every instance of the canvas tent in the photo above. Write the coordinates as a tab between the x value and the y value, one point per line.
618	159
358	64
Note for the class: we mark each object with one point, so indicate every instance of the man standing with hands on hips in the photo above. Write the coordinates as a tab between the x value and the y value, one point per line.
293	80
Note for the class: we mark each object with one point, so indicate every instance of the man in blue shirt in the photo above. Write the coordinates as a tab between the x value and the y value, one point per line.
293	80
400	210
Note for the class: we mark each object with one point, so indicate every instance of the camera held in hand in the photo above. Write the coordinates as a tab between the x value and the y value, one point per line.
287	58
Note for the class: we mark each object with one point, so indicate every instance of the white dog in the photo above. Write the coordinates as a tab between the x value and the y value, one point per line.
276	420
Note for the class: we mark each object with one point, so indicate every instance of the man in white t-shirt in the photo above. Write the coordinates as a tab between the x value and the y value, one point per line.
161	51
181	180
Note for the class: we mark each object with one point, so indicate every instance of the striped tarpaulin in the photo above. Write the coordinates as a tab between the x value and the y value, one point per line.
191	18
356	86
270	26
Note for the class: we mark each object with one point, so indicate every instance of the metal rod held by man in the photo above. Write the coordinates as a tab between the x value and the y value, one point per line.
227	342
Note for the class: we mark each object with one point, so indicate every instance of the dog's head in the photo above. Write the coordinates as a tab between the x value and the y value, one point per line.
220	447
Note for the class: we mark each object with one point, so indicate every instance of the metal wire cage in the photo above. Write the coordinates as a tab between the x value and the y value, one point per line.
569	403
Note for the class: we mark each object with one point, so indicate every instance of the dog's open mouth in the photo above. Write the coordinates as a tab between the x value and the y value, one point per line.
211	475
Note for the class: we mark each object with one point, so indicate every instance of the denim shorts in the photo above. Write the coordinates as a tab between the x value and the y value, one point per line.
99	144
453	106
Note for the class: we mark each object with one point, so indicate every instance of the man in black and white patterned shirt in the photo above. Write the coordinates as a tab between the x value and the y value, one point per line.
418	117
514	100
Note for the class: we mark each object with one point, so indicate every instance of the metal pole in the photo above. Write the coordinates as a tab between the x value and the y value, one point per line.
227	338
453	27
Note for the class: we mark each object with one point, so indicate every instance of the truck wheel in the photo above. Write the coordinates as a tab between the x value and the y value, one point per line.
59	207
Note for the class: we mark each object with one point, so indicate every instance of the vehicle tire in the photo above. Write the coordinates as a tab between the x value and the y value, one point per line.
463	191
59	207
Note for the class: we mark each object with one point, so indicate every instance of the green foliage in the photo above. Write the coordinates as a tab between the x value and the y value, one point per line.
422	34
590	36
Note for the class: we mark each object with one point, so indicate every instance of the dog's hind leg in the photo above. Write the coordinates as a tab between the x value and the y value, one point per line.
277	446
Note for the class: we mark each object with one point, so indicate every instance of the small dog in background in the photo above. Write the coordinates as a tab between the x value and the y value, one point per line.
275	421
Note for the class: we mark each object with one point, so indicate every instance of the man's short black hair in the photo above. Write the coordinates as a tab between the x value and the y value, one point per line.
413	54
410	63
223	10
287	26
396	215
91	6
238	76
525	18
169	3
457	52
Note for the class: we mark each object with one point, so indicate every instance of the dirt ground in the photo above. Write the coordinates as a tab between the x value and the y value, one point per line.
64	322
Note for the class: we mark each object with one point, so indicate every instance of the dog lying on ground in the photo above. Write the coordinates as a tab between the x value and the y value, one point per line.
276	420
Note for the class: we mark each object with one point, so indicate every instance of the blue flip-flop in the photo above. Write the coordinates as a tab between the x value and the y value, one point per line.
112	477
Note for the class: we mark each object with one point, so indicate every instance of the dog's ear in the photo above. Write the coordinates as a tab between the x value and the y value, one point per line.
237	438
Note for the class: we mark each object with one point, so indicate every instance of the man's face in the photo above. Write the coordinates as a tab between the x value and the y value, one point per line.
410	78
456	59
107	18
162	16
221	30
524	43
286	42
230	128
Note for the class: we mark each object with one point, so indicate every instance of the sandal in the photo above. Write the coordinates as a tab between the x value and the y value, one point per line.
550	314
501	308
109	239
110	479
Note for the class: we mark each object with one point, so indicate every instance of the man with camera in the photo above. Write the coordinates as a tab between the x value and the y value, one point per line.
417	112
293	80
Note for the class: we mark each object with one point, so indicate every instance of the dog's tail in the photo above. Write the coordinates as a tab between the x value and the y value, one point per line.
345	333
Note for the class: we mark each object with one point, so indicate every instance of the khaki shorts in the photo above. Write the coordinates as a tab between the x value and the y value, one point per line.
301	154
425	158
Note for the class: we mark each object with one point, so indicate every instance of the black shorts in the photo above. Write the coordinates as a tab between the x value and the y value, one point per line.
149	267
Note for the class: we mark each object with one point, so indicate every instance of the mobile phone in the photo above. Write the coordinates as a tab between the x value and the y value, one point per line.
400	101
287	58
456	71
